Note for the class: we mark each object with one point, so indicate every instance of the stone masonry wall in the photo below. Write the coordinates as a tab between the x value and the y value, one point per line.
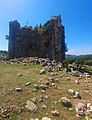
41	41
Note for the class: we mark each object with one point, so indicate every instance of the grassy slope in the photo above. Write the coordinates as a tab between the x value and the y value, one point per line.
88	69
9	97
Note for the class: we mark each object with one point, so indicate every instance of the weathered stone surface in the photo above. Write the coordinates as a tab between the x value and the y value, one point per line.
43	91
42	71
36	86
77	81
34	100
34	119
80	108
46	118
71	91
31	106
18	110
28	83
41	41
46	96
19	74
84	108
44	106
4	113
18	89
77	95
68	79
65	102
55	113
50	68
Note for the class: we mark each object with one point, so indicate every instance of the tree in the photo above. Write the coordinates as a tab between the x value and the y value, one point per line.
65	63
7	37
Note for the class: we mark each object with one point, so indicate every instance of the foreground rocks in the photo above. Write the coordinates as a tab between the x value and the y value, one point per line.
46	118
55	113
31	106
4	113
84	108
65	102
18	89
46	93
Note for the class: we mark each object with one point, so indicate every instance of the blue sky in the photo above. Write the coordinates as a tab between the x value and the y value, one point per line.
76	17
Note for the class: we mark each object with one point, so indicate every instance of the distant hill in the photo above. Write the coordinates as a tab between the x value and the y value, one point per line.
88	56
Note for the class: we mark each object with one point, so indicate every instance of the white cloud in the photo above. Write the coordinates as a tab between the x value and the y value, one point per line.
79	52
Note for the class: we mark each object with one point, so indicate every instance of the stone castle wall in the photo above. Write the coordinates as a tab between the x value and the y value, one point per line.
46	40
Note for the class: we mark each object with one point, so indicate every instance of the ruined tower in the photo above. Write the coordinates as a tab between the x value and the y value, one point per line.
59	38
44	41
13	29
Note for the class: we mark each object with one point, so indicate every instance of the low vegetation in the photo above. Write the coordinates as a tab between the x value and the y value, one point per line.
17	75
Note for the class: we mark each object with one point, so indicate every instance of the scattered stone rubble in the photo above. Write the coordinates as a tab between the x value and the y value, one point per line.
4	113
31	106
75	94
82	108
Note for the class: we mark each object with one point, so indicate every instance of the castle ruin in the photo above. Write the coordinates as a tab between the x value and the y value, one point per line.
45	41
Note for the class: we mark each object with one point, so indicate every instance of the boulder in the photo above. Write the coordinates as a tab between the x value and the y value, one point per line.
46	118
28	83
31	106
42	71
36	86
19	74
71	91
68	79
76	81
77	95
65	102
18	89
55	113
80	108
50	68
4	113
44	106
